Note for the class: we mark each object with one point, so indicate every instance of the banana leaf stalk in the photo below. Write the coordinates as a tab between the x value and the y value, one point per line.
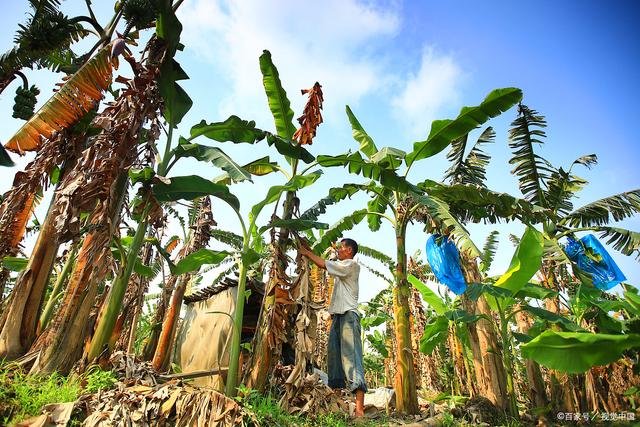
56	292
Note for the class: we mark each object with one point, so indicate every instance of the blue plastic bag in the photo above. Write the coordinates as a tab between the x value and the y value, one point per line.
592	258
444	259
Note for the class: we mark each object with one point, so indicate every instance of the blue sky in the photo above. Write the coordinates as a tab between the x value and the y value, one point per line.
400	65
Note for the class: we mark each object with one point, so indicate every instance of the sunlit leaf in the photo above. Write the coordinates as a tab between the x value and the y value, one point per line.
194	261
576	352
77	96
443	132
525	261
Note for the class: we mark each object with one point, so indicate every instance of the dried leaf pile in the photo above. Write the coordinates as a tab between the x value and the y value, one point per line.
312	396
139	400
170	404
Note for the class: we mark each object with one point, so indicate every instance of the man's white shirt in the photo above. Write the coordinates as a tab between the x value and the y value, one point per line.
346	285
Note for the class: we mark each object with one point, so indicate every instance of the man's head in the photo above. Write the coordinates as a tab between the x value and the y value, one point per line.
347	249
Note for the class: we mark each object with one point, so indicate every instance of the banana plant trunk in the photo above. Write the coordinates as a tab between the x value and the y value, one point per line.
460	365
261	360
487	357
133	304
169	326
234	355
536	386
23	312
566	390
107	320
56	292
405	378
60	345
158	318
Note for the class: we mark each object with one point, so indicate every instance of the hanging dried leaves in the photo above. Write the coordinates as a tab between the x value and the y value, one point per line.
19	202
311	117
77	96
95	185
88	185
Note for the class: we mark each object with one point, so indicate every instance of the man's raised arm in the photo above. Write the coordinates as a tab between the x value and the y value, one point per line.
317	260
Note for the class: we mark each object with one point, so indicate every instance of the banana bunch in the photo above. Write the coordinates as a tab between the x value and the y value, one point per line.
25	102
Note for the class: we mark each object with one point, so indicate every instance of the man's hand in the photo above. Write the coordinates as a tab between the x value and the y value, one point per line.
319	261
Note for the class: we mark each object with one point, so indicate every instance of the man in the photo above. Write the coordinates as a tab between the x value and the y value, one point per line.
345	345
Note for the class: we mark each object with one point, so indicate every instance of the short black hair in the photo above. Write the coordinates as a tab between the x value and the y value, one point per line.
350	243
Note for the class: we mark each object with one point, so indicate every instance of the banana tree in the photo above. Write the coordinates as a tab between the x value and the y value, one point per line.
470	200
176	104
554	188
396	200
501	295
288	142
188	187
45	39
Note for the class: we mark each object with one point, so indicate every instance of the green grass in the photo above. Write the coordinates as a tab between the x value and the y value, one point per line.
267	412
97	379
23	396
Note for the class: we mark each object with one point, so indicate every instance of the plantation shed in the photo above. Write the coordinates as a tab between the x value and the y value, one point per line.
203	340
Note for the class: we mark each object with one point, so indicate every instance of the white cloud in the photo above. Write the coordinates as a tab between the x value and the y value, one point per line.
329	41
434	89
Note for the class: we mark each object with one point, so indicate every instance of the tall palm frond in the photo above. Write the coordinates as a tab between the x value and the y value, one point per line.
227	237
472	168
369	252
587	161
183	224
600	212
336	194
439	212
47	32
63	60
561	188
209	267
76	97
224	273
377	273
44	6
625	241
532	170
562	185
489	251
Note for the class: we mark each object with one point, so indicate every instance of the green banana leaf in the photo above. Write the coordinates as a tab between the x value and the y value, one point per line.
234	129
295	224
367	146
296	183
435	333
443	132
12	263
215	156
428	295
575	352
191	187
525	261
194	261
337	229
359	166
278	102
